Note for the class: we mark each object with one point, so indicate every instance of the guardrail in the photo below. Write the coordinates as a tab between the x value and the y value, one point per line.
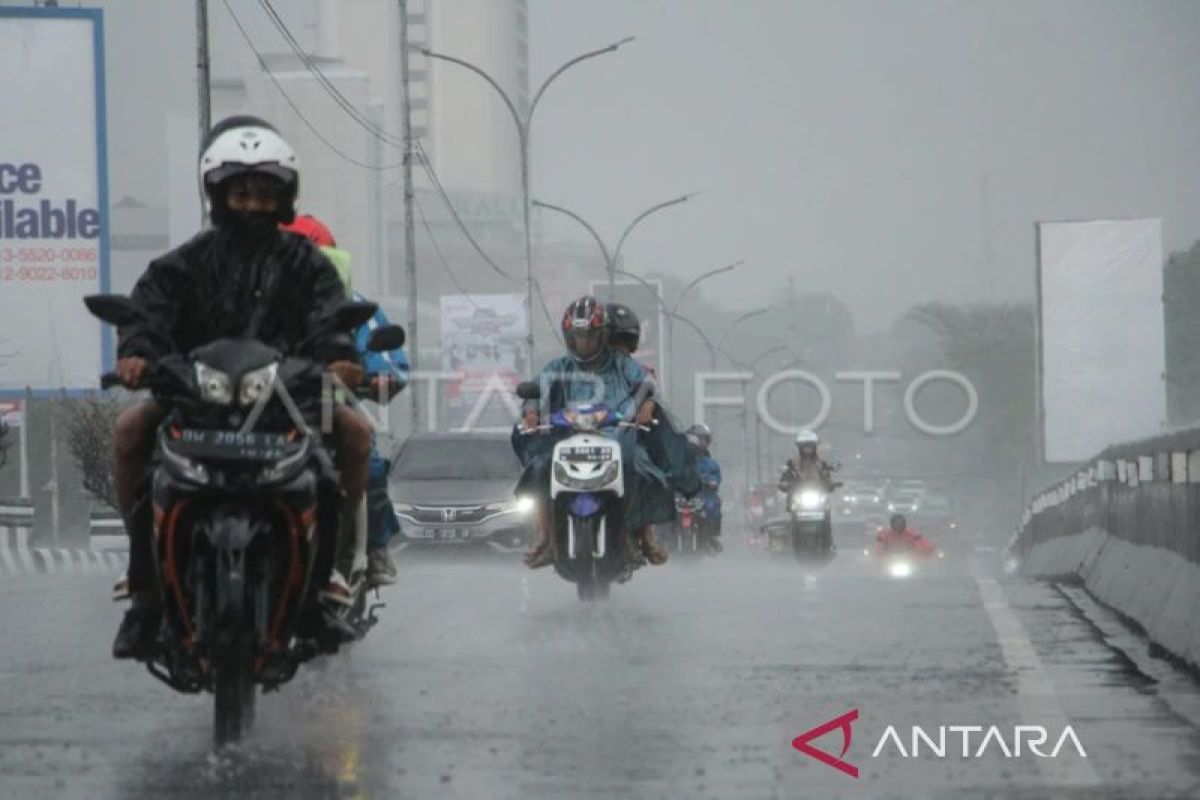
1127	524
108	550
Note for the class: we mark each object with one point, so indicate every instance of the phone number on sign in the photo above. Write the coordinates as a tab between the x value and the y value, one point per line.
47	255
48	274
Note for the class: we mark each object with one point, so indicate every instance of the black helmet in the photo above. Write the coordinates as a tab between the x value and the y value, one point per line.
898	522
624	327
585	318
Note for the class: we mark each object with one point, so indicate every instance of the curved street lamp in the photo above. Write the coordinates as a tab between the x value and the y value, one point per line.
523	123
613	257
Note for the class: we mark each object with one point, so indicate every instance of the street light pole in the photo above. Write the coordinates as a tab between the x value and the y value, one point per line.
612	257
523	123
670	377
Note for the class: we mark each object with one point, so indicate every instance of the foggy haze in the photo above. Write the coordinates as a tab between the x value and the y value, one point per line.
888	152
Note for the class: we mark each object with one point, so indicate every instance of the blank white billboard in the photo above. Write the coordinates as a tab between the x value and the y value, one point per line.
53	226
1100	335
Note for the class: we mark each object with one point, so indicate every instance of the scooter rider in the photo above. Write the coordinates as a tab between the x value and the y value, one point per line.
592	372
807	466
700	436
899	538
387	374
242	277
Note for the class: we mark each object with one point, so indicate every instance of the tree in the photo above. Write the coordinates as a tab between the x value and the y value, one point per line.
994	346
88	423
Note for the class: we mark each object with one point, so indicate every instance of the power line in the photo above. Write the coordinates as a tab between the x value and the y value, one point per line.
438	251
424	161
327	84
287	98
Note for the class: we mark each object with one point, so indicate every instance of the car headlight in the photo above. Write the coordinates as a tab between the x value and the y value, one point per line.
215	386
891	506
525	504
401	508
256	383
809	500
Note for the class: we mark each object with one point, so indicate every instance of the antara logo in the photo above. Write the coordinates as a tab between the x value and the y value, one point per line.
1024	740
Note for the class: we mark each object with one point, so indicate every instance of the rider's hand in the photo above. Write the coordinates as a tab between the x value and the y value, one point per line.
347	372
530	419
383	386
130	371
645	414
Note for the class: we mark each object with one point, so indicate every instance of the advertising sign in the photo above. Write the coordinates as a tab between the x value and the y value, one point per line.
53	199
483	345
1101	339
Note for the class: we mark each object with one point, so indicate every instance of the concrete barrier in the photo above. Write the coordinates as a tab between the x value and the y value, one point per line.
107	550
1127	524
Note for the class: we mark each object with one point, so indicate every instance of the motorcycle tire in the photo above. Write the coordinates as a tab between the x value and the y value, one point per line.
234	696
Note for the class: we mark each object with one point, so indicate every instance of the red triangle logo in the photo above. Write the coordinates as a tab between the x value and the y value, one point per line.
803	742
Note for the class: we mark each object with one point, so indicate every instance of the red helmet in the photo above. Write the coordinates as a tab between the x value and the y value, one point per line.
312	229
586	318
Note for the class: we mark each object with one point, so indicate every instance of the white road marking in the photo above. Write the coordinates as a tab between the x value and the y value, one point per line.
1036	697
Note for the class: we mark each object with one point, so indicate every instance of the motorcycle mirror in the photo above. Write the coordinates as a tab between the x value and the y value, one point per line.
349	315
528	390
386	338
114	309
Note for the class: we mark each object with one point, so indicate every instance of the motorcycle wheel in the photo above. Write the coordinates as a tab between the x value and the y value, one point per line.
234	696
588	585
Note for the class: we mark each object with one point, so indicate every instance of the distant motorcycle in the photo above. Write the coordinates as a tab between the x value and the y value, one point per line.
811	521
907	559
246	507
688	534
587	489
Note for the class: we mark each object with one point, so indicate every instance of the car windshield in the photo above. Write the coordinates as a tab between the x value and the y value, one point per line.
936	502
457	459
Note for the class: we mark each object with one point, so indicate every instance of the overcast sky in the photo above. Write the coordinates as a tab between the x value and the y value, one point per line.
890	152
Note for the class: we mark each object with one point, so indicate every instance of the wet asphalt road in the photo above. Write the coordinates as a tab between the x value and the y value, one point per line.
485	680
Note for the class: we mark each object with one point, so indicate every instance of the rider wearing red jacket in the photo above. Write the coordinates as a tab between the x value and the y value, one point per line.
899	538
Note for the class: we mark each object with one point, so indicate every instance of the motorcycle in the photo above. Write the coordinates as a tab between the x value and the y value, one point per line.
811	521
244	506
905	562
587	491
686	535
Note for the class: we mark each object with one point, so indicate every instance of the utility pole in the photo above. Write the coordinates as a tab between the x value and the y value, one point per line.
203	82
410	244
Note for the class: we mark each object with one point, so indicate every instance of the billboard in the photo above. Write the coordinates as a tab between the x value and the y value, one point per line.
53	199
652	349
483	346
1101	346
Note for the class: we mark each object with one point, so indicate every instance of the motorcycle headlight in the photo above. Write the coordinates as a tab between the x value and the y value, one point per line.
900	569
215	386
809	500
189	470
606	476
256	383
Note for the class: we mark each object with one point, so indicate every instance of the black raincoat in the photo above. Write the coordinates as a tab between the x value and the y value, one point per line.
273	289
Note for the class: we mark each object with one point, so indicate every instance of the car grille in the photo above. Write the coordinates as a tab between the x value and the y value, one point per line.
448	515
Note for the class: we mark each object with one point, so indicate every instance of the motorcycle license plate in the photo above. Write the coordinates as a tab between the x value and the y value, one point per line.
588	454
233	445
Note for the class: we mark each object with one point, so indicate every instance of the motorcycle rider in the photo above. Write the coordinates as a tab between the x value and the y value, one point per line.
242	277
899	538
592	372
700	437
668	448
387	374
808	466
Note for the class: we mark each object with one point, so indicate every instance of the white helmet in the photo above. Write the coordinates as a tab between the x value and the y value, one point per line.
807	437
244	144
